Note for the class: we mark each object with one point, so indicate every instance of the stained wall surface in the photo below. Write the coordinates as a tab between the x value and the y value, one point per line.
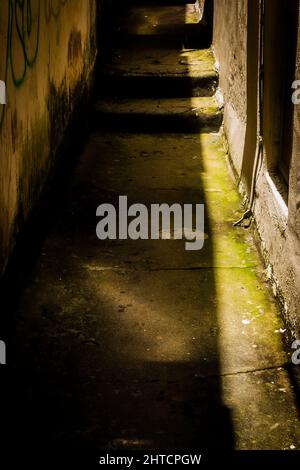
47	55
236	44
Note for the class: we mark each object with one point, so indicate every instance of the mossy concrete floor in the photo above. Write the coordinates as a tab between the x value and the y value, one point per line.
142	344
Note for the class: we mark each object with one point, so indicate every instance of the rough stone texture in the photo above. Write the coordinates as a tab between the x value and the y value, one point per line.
44	82
277	222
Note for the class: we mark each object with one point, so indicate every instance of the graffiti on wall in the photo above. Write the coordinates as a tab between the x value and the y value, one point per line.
53	8
22	38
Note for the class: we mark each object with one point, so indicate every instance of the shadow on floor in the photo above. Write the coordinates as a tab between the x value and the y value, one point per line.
115	345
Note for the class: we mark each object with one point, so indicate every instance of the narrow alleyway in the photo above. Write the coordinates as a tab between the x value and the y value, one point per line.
141	344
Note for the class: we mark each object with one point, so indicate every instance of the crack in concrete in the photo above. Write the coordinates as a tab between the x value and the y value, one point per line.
282	366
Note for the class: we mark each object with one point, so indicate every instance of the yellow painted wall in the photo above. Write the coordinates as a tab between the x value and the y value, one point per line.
47	54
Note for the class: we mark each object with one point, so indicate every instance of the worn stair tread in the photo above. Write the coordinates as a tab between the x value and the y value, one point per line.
152	20
166	106
162	63
158	2
168	114
159	73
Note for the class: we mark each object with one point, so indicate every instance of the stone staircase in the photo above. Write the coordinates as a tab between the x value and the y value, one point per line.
160	74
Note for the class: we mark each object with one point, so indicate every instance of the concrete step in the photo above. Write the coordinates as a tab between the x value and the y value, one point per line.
150	20
159	115
156	2
159	72
159	2
154	24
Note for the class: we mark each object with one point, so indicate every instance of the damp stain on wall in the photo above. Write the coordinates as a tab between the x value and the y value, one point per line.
47	63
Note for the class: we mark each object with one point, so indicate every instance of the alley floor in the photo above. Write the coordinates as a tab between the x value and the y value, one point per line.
124	344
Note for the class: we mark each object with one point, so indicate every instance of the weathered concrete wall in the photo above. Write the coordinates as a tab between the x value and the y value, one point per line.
236	29
47	63
294	208
201	4
279	224
230	43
